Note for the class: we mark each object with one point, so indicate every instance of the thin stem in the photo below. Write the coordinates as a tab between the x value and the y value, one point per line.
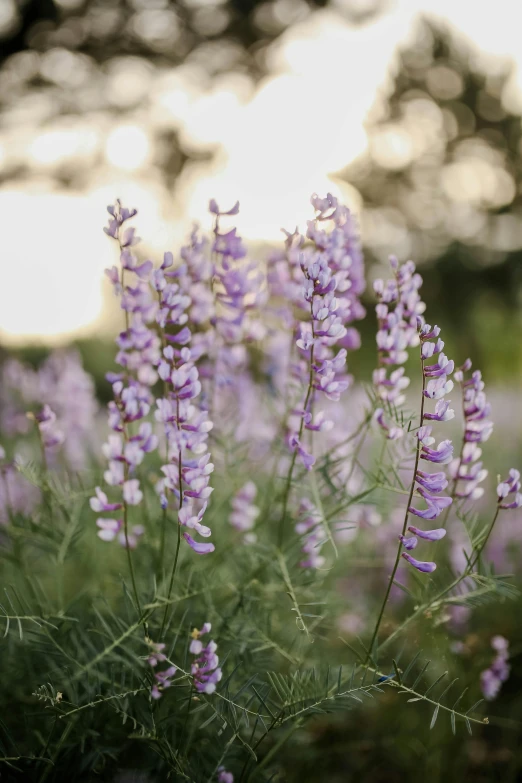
172	575
405	523
485	541
175	565
300	435
127	547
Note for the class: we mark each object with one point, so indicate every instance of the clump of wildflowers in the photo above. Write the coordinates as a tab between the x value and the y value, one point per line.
163	679
398	310
187	473
138	354
491	679
331	287
205	668
436	385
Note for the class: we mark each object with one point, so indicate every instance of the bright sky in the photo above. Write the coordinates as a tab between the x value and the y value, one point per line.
275	146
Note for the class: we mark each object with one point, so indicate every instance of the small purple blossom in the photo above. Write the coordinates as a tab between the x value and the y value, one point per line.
428	535
398	309
50	435
491	679
511	486
311	529
424	567
408	542
435	505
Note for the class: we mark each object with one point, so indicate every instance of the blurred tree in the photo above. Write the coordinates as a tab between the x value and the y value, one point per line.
441	182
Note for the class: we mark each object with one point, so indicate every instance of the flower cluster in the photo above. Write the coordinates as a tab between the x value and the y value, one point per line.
315	340
244	512
50	436
492	678
205	668
511	486
466	470
398	311
62	383
132	399
163	679
310	527
187	473
435	386
237	284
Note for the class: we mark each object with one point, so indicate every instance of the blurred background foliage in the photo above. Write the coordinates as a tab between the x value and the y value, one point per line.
83	83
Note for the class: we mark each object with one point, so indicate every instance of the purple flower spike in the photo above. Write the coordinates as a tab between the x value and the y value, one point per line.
425	568
428	535
199	548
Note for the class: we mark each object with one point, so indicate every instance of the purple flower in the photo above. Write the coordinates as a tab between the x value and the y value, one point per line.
397	311
205	668
309	526
492	678
424	567
50	435
435	505
391	433
442	412
132	495
156	656
224	776
109	528
199	549
432	482
429	535
465	470
511	486
100	502
162	679
327	291
441	455
408	542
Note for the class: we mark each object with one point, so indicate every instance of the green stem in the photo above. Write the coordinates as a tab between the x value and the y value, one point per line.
129	557
405	523
300	435
175	565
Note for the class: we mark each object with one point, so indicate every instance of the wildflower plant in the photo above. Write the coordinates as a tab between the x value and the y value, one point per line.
240	477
